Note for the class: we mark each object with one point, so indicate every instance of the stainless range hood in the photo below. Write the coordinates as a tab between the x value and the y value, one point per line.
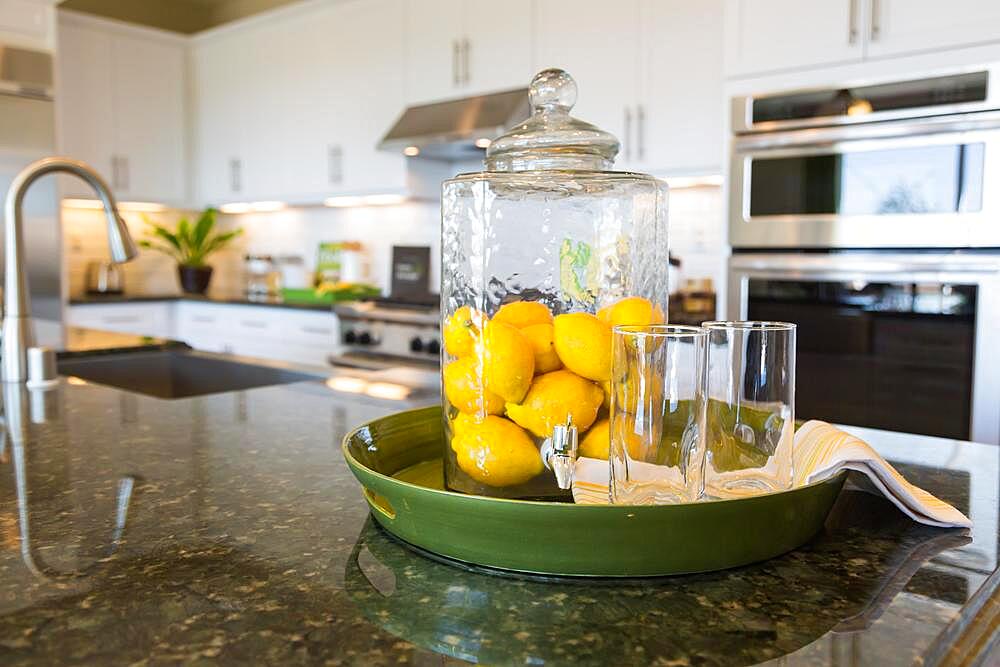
456	129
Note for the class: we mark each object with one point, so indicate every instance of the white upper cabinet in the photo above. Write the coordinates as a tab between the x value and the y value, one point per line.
83	101
648	71
148	99
457	48
773	35
120	98
768	35
681	118
349	103
597	42
292	109
497	49
906	26
220	83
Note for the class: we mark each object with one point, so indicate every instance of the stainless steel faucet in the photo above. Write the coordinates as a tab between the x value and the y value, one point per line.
18	330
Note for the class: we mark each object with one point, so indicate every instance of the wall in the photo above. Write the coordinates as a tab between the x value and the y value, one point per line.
696	236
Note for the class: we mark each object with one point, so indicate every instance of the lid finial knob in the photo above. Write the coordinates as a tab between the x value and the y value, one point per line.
552	90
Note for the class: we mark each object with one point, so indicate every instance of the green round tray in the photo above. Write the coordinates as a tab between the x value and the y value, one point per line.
397	459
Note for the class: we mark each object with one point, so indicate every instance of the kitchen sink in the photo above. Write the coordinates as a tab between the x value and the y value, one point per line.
177	373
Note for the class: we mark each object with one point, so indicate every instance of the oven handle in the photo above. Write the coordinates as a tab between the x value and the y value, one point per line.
967	265
826	136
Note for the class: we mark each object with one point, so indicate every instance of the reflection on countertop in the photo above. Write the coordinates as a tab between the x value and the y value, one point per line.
243	538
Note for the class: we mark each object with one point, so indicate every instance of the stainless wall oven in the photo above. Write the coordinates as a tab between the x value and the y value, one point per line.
870	215
889	165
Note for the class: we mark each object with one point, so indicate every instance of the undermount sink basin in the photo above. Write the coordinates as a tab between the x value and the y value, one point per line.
177	373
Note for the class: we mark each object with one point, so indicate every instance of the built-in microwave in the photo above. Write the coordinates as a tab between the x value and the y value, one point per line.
881	165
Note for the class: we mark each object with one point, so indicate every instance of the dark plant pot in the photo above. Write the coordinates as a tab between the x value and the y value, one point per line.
194	279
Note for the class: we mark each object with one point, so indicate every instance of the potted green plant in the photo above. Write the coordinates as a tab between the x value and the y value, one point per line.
190	245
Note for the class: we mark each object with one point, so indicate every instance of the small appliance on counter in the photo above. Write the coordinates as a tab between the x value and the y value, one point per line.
105	278
262	275
401	329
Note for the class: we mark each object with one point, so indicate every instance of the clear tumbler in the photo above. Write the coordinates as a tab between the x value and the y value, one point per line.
751	408
657	448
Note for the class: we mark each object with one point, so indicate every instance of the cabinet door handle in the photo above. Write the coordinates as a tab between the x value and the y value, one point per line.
114	172
628	133
203	318
465	61
335	164
121	319
852	22
876	31
253	324
456	66
235	175
641	132
318	330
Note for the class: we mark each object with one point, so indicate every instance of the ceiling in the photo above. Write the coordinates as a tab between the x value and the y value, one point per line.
184	16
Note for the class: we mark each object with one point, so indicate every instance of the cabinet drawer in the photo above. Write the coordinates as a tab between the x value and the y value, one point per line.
311	328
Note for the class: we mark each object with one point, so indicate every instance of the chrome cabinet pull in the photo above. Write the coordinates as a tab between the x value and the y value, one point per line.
317	330
115	177
641	138
235	180
335	164
876	31
465	61
852	22
253	324
456	66
628	134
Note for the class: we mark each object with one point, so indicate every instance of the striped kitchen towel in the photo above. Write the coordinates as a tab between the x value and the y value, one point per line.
820	452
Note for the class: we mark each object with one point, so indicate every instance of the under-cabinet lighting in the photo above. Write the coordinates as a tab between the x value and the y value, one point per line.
387	390
679	182
411	151
253	207
364	200
483	142
859	107
140	206
74	380
347	384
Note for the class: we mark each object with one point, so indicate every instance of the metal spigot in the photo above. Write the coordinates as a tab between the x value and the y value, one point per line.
559	453
18	332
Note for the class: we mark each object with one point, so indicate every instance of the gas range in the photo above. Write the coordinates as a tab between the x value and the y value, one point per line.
383	333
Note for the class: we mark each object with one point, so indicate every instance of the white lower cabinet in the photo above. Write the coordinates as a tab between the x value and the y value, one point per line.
280	334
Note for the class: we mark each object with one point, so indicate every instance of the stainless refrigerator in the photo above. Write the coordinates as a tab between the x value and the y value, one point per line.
27	133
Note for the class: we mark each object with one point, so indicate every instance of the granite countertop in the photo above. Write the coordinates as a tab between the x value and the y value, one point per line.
239	298
227	528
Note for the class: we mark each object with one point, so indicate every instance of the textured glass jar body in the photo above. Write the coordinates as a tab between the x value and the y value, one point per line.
573	241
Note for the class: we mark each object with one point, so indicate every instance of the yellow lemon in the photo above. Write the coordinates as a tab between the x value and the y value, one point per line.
463	386
555	397
508	361
496	452
541	338
606	386
583	343
632	310
523	314
597	441
461	331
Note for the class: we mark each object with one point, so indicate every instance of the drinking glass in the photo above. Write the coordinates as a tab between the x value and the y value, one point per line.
751	408
657	448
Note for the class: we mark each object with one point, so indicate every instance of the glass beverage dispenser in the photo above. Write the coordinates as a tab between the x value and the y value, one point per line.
542	253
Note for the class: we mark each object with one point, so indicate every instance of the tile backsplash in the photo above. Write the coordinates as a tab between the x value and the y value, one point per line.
697	237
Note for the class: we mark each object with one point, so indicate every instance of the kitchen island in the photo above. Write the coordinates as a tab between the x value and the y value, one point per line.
227	528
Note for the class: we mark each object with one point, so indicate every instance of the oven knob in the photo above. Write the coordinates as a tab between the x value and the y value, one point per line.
365	338
349	337
416	345
433	347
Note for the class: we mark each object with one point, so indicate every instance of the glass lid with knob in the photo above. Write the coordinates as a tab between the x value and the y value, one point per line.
542	253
